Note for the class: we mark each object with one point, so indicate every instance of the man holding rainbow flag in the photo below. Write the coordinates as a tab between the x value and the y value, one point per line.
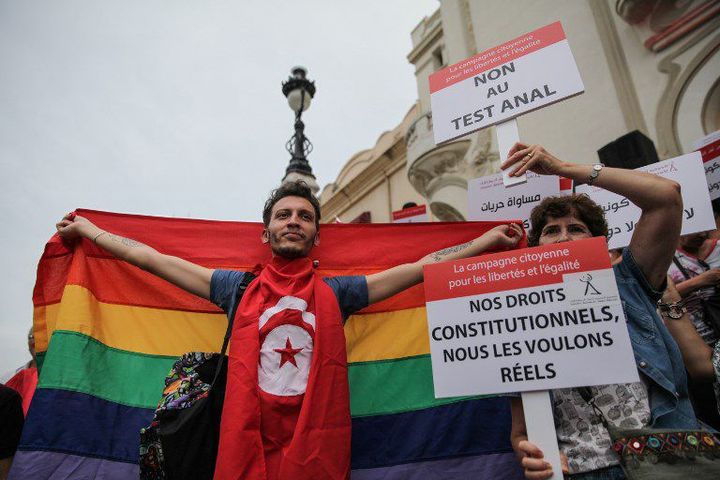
286	412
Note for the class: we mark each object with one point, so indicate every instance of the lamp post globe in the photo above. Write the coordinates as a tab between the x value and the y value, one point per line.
299	92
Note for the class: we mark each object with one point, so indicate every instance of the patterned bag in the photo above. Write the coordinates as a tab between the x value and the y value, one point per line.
651	453
188	404
665	454
182	440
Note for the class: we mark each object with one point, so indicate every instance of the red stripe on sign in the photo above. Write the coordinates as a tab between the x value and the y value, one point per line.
711	151
409	212
494	57
528	267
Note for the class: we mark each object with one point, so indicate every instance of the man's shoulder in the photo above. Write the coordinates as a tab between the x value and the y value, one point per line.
351	292
222	278
340	283
224	286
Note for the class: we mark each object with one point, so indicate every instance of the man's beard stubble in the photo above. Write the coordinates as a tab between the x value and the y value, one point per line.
293	250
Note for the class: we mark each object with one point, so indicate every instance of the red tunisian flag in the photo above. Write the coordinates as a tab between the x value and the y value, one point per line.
24	382
287	412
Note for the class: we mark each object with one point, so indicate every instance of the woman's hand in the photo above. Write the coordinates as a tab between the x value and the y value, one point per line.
535	158
534	464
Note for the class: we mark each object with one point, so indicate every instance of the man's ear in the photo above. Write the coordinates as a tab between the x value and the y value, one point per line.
265	237
316	242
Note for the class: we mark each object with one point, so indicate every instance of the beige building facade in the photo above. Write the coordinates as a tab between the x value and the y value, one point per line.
647	65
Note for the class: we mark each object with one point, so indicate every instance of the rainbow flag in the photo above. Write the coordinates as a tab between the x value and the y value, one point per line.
107	334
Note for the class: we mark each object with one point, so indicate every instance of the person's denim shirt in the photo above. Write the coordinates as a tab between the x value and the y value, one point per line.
657	356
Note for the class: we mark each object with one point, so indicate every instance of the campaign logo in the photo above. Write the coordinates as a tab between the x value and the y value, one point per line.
589	287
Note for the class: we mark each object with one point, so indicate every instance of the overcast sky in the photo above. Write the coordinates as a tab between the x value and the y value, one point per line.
174	108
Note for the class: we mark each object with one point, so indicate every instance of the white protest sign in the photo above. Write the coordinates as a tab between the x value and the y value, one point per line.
411	215
622	215
707	140
526	73
709	148
490	200
529	319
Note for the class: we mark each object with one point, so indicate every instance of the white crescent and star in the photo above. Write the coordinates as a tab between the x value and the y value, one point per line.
286	352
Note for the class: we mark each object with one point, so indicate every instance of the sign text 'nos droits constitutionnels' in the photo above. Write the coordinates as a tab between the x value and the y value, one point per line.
531	319
529	72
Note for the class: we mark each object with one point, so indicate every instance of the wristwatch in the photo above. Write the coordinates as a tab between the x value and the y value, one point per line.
594	173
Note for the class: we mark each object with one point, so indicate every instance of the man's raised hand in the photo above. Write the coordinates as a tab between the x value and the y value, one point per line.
72	227
506	236
186	275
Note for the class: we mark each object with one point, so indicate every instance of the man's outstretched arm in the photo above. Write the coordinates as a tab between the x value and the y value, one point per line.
387	283
186	275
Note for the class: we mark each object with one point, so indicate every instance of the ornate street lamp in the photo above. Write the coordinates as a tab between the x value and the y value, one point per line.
299	92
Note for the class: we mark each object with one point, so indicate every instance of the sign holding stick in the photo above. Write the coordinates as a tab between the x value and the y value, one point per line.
622	215
507	135
524	74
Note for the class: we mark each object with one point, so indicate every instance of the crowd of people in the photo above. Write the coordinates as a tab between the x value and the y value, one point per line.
668	285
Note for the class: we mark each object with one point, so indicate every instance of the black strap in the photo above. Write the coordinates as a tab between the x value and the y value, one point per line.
680	267
246	279
587	395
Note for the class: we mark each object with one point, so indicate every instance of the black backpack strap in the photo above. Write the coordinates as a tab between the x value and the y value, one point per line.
246	279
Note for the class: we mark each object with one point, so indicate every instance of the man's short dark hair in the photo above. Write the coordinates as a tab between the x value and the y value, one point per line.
579	206
291	189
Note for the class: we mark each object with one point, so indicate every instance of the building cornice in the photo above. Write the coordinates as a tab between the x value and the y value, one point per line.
427	42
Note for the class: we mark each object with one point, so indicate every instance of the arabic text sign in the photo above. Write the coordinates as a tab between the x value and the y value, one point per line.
529	72
710	153
622	215
411	215
530	319
490	200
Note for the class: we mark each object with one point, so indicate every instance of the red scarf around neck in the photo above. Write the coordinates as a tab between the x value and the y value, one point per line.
287	410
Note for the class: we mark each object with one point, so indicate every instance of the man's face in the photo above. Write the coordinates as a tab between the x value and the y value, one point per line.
563	229
291	232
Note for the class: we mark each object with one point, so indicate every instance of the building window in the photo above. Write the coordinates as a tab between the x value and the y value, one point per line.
438	59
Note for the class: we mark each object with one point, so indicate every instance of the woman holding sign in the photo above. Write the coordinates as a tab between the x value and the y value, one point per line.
661	398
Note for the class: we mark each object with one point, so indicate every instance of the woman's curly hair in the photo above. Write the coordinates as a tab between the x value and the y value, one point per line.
580	206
